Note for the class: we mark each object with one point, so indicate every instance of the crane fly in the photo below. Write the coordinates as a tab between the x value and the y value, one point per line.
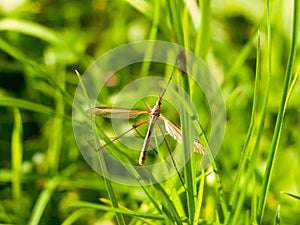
154	114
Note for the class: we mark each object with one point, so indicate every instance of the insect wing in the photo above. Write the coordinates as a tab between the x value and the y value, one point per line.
120	113
176	133
172	130
198	147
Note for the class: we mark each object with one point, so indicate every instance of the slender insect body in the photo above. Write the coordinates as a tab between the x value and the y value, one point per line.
155	113
156	109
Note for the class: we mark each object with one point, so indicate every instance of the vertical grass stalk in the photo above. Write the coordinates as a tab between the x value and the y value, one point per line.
280	115
102	163
203	34
17	156
246	149
153	33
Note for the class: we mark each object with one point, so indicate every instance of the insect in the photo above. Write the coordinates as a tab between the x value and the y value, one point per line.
154	114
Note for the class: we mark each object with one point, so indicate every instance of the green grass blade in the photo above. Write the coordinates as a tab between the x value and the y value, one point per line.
82	204
291	88
280	116
222	198
76	215
39	69
254	201
101	162
5	218
41	32
242	57
199	199
55	140
42	201
142	6
291	195
30	28
17	156
23	104
114	200
168	206
203	34
246	147
189	169
153	33
277	219
175	14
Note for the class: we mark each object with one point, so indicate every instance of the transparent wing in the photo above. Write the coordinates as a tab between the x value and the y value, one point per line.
198	147
172	129
176	133
109	112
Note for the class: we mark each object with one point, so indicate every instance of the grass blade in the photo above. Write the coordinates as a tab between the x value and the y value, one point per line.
30	28
101	162
246	147
175	10
116	210
55	140
42	201
291	195
23	104
39	69
277	216
17	156
199	199
152	36
280	115
203	34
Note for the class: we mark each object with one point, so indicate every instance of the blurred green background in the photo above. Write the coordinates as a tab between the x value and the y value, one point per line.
42	43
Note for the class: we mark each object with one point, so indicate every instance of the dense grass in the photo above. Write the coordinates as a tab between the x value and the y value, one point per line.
250	47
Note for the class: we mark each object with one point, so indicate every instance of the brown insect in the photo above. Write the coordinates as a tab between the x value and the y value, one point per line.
154	115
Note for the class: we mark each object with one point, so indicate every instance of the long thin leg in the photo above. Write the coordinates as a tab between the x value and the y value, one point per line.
134	126
171	154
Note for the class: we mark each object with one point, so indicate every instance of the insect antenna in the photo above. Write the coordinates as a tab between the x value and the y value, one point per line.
165	89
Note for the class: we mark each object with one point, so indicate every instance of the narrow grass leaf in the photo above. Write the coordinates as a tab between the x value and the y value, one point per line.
168	206
291	195
30	28
55	140
175	10
42	201
76	215
17	157
152	36
280	115
277	216
246	147
199	199
39	69
101	163
203	34
24	104
142	6
96	206
189	169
